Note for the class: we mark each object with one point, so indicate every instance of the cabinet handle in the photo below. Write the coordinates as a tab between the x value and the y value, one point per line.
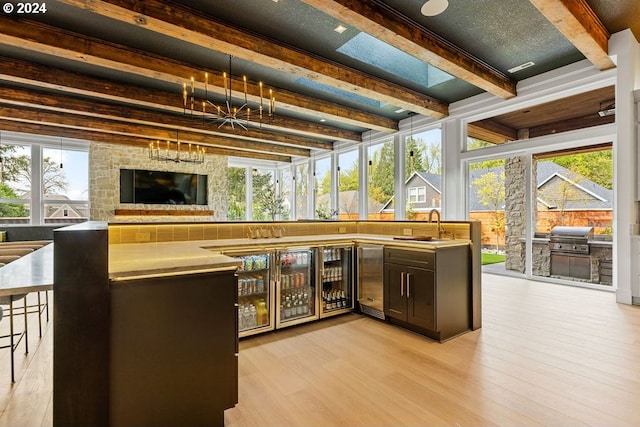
408	285
402	283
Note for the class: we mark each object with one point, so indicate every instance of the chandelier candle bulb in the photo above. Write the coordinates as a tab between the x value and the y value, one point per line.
224	78
244	79
206	85
184	95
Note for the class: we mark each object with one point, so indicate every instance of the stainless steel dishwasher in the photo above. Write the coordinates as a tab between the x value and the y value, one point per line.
370	280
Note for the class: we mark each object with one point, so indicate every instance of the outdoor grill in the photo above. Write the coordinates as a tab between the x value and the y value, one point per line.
569	247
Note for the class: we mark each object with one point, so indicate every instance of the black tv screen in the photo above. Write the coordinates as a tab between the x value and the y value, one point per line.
165	188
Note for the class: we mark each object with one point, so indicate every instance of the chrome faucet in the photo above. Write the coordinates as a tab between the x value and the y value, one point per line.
437	212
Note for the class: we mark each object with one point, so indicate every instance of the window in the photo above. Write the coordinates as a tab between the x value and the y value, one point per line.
15	188
65	185
302	190
423	173
348	175
322	188
265	205
42	181
575	189
380	181
237	190
285	188
417	195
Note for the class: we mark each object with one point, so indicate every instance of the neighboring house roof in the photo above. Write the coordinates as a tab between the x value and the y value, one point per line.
552	179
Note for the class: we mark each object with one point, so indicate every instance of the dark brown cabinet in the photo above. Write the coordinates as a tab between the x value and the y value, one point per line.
174	350
411	295
428	291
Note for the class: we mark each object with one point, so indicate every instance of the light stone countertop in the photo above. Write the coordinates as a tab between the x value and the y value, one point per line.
137	259
30	273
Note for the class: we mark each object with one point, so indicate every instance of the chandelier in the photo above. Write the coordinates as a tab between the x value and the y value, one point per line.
175	151
226	112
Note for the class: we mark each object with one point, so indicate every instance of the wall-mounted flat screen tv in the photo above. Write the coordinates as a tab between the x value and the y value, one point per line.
165	188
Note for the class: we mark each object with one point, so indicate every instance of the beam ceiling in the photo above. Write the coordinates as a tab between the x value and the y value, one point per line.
580	25
112	77
405	34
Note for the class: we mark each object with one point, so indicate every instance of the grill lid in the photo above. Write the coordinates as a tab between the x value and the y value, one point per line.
569	232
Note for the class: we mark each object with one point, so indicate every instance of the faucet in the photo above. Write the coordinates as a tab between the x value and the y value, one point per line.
437	212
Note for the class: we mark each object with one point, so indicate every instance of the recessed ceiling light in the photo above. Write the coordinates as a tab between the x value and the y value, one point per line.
434	7
521	67
400	110
323	120
340	29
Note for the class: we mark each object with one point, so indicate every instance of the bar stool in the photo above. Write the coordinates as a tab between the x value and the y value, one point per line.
15	337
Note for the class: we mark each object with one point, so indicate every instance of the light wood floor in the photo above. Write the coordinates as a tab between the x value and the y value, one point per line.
547	355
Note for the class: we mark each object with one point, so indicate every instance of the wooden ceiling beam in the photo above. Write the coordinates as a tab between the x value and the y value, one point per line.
399	31
491	131
111	138
44	39
30	74
144	131
176	21
570	124
581	26
89	108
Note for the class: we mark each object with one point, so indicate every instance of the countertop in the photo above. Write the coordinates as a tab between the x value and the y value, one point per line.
30	273
136	259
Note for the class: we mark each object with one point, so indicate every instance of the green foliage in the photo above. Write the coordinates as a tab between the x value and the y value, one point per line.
13	210
596	166
491	193
266	204
16	170
381	179
349	178
237	209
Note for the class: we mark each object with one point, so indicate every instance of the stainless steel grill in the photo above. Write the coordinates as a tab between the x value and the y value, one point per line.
570	239
569	247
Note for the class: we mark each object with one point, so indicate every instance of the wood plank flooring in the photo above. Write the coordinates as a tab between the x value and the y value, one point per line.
547	355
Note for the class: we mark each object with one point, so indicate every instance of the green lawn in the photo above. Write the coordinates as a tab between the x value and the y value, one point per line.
491	258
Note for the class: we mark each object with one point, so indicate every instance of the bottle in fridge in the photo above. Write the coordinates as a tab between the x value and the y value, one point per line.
296	293
336	275
254	293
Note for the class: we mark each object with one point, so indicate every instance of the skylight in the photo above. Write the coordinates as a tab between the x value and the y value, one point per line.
369	50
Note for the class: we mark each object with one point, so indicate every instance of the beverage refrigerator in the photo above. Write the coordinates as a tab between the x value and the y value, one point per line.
336	276
255	292
296	300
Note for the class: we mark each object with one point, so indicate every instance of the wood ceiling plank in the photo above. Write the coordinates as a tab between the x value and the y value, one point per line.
387	25
92	108
570	124
111	138
581	26
176	21
41	38
64	120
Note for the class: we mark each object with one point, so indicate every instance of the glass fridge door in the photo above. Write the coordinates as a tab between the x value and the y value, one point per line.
296	288
337	280
254	293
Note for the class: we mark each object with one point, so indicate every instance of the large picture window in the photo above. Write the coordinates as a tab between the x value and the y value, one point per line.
43	182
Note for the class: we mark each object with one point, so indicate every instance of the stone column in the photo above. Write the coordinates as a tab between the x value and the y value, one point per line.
515	212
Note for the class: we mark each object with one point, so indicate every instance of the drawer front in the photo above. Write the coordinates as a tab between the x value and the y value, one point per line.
420	259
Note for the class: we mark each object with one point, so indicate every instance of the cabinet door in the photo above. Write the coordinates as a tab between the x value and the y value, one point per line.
395	299
421	292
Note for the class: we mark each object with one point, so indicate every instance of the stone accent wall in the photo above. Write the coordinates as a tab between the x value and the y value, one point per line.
105	162
515	211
